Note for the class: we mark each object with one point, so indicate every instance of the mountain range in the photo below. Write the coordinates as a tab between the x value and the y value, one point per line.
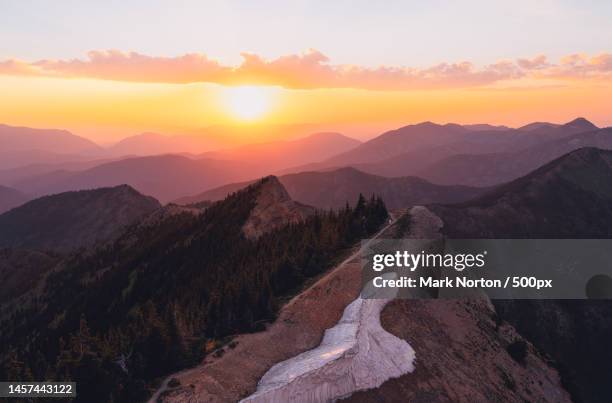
416	149
451	154
336	188
495	168
169	176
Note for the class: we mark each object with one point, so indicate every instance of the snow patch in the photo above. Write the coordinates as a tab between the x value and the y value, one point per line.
355	354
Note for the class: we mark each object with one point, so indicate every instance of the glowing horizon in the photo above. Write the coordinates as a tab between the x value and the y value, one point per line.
107	111
355	68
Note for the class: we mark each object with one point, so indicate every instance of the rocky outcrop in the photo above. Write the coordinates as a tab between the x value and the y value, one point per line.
273	209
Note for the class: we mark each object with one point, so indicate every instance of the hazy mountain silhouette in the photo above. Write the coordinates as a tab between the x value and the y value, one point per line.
484	126
278	155
399	141
70	220
333	189
490	169
537	125
165	177
568	197
21	146
15	175
14	138
410	150
154	143
10	198
24	158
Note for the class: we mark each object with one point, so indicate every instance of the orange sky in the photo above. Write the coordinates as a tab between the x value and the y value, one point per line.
103	96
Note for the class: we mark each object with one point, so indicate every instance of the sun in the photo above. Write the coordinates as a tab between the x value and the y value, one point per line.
248	102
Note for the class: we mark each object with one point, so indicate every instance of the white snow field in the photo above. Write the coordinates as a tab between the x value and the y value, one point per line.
356	354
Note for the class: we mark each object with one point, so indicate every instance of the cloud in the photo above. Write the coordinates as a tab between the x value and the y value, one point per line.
538	62
308	70
17	67
132	66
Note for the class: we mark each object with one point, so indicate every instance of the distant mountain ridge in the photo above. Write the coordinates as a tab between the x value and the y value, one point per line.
168	176
568	197
71	220
273	156
14	138
412	149
10	198
335	188
495	168
165	177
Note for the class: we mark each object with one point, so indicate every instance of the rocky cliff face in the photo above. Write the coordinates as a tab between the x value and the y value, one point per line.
273	209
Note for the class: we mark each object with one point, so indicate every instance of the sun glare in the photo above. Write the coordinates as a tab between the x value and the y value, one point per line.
248	102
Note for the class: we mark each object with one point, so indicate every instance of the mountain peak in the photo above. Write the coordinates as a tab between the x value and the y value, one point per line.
537	125
273	208
427	123
271	183
581	123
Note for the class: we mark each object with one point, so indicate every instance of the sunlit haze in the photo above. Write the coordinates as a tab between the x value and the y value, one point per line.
308	63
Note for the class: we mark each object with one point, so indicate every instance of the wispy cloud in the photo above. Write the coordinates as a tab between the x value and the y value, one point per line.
311	69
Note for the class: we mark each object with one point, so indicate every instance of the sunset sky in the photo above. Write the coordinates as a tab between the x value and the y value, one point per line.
111	70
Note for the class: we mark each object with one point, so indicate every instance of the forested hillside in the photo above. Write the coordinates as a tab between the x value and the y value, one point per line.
165	292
